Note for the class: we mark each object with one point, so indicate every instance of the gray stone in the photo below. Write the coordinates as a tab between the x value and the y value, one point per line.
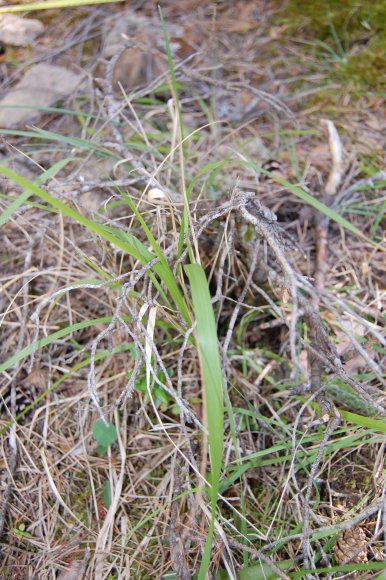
119	31
43	85
17	31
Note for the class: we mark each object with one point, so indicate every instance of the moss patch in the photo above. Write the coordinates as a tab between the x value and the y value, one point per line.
368	68
345	37
349	19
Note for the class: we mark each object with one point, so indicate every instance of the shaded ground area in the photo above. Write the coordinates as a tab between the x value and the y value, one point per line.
250	141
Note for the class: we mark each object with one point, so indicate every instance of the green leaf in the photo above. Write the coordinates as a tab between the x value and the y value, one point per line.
208	349
105	434
101	450
257	571
369	422
106	494
21	533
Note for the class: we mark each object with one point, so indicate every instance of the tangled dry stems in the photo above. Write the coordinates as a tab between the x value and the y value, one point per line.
270	250
155	468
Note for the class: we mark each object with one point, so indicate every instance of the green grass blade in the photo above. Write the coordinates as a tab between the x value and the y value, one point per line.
186	218
168	274
312	201
303	459
45	340
213	387
50	4
170	61
368	567
22	197
129	244
369	422
257	571
78	143
60	110
131	247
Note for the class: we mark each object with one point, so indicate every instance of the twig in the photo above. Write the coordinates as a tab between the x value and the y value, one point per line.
346	525
259	554
264	222
322	221
176	544
11	472
336	150
308	557
336	366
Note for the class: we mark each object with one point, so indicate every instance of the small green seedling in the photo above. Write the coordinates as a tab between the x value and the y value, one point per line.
21	532
105	434
162	400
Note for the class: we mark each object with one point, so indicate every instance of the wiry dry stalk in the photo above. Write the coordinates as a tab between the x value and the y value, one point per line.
123	354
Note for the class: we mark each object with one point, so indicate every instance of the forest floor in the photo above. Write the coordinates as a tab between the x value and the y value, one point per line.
192	291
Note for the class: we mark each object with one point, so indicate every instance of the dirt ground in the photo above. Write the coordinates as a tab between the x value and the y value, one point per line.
192	290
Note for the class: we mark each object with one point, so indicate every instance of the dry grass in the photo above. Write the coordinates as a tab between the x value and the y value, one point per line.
291	481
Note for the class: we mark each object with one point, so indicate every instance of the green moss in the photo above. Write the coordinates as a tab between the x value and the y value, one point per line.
328	101
368	69
348	19
346	39
370	164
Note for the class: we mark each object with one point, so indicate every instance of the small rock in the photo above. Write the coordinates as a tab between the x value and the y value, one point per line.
137	68
140	63
43	85
17	31
256	149
117	32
